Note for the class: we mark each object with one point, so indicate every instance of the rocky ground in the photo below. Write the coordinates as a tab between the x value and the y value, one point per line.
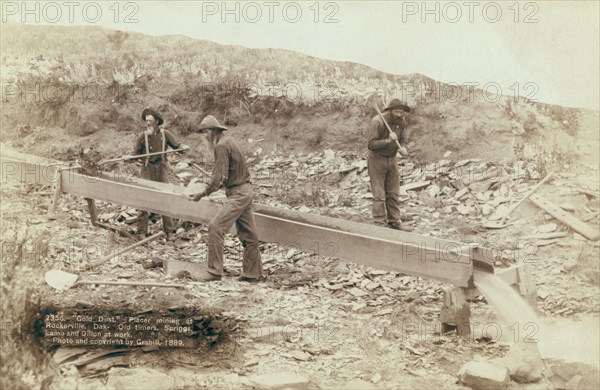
318	322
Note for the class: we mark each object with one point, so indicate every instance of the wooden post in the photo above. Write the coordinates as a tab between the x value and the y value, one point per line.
92	209
456	312
526	286
56	188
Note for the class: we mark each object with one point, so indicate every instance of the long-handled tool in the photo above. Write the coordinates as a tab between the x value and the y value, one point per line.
139	156
62	280
388	127
57	274
204	172
502	224
126	249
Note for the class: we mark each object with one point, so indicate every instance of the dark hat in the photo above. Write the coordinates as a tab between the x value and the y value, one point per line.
396	104
156	115
210	122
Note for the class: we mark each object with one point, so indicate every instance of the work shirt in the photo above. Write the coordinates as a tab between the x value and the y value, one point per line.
155	144
230	169
379	140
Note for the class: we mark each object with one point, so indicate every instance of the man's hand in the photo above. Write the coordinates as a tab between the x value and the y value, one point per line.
196	197
403	151
185	147
393	136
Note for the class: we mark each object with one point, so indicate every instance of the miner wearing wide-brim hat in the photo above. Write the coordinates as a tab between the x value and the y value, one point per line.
230	172
382	163
155	167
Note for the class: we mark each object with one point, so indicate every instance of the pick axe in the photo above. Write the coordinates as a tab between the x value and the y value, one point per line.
388	127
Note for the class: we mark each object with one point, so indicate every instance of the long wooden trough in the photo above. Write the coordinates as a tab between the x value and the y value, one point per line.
412	254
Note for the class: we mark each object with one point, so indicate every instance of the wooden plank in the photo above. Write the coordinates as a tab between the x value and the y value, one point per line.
413	258
545	236
418	249
482	257
579	226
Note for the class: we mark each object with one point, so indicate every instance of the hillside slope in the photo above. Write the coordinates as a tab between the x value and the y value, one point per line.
63	92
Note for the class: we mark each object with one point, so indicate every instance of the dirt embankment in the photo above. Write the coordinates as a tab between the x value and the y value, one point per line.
469	128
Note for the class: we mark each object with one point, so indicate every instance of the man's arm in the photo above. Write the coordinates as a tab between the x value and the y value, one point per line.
172	142
138	147
219	175
403	138
376	139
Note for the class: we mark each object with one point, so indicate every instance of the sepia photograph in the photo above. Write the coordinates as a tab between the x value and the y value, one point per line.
300	195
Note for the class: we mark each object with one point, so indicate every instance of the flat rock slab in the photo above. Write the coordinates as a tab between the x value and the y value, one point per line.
484	375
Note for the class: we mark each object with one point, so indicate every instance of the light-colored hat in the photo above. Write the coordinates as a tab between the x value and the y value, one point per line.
210	122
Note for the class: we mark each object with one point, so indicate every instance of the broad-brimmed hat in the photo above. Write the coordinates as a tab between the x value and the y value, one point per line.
154	113
210	122
396	104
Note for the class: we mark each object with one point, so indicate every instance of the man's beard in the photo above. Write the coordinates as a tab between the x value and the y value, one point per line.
212	142
395	119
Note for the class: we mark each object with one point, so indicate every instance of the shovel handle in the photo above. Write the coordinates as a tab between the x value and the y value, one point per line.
130	247
146	284
527	195
204	172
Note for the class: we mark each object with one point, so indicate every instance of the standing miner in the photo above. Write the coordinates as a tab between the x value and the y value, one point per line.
383	166
156	167
231	172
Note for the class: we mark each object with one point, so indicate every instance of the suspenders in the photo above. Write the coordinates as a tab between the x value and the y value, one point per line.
162	133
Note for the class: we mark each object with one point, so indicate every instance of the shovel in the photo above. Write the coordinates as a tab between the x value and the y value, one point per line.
127	249
62	280
502	223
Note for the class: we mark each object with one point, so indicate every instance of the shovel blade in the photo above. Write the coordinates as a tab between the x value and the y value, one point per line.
60	280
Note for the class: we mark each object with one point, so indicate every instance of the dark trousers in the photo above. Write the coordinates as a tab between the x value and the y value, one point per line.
155	172
385	187
236	209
